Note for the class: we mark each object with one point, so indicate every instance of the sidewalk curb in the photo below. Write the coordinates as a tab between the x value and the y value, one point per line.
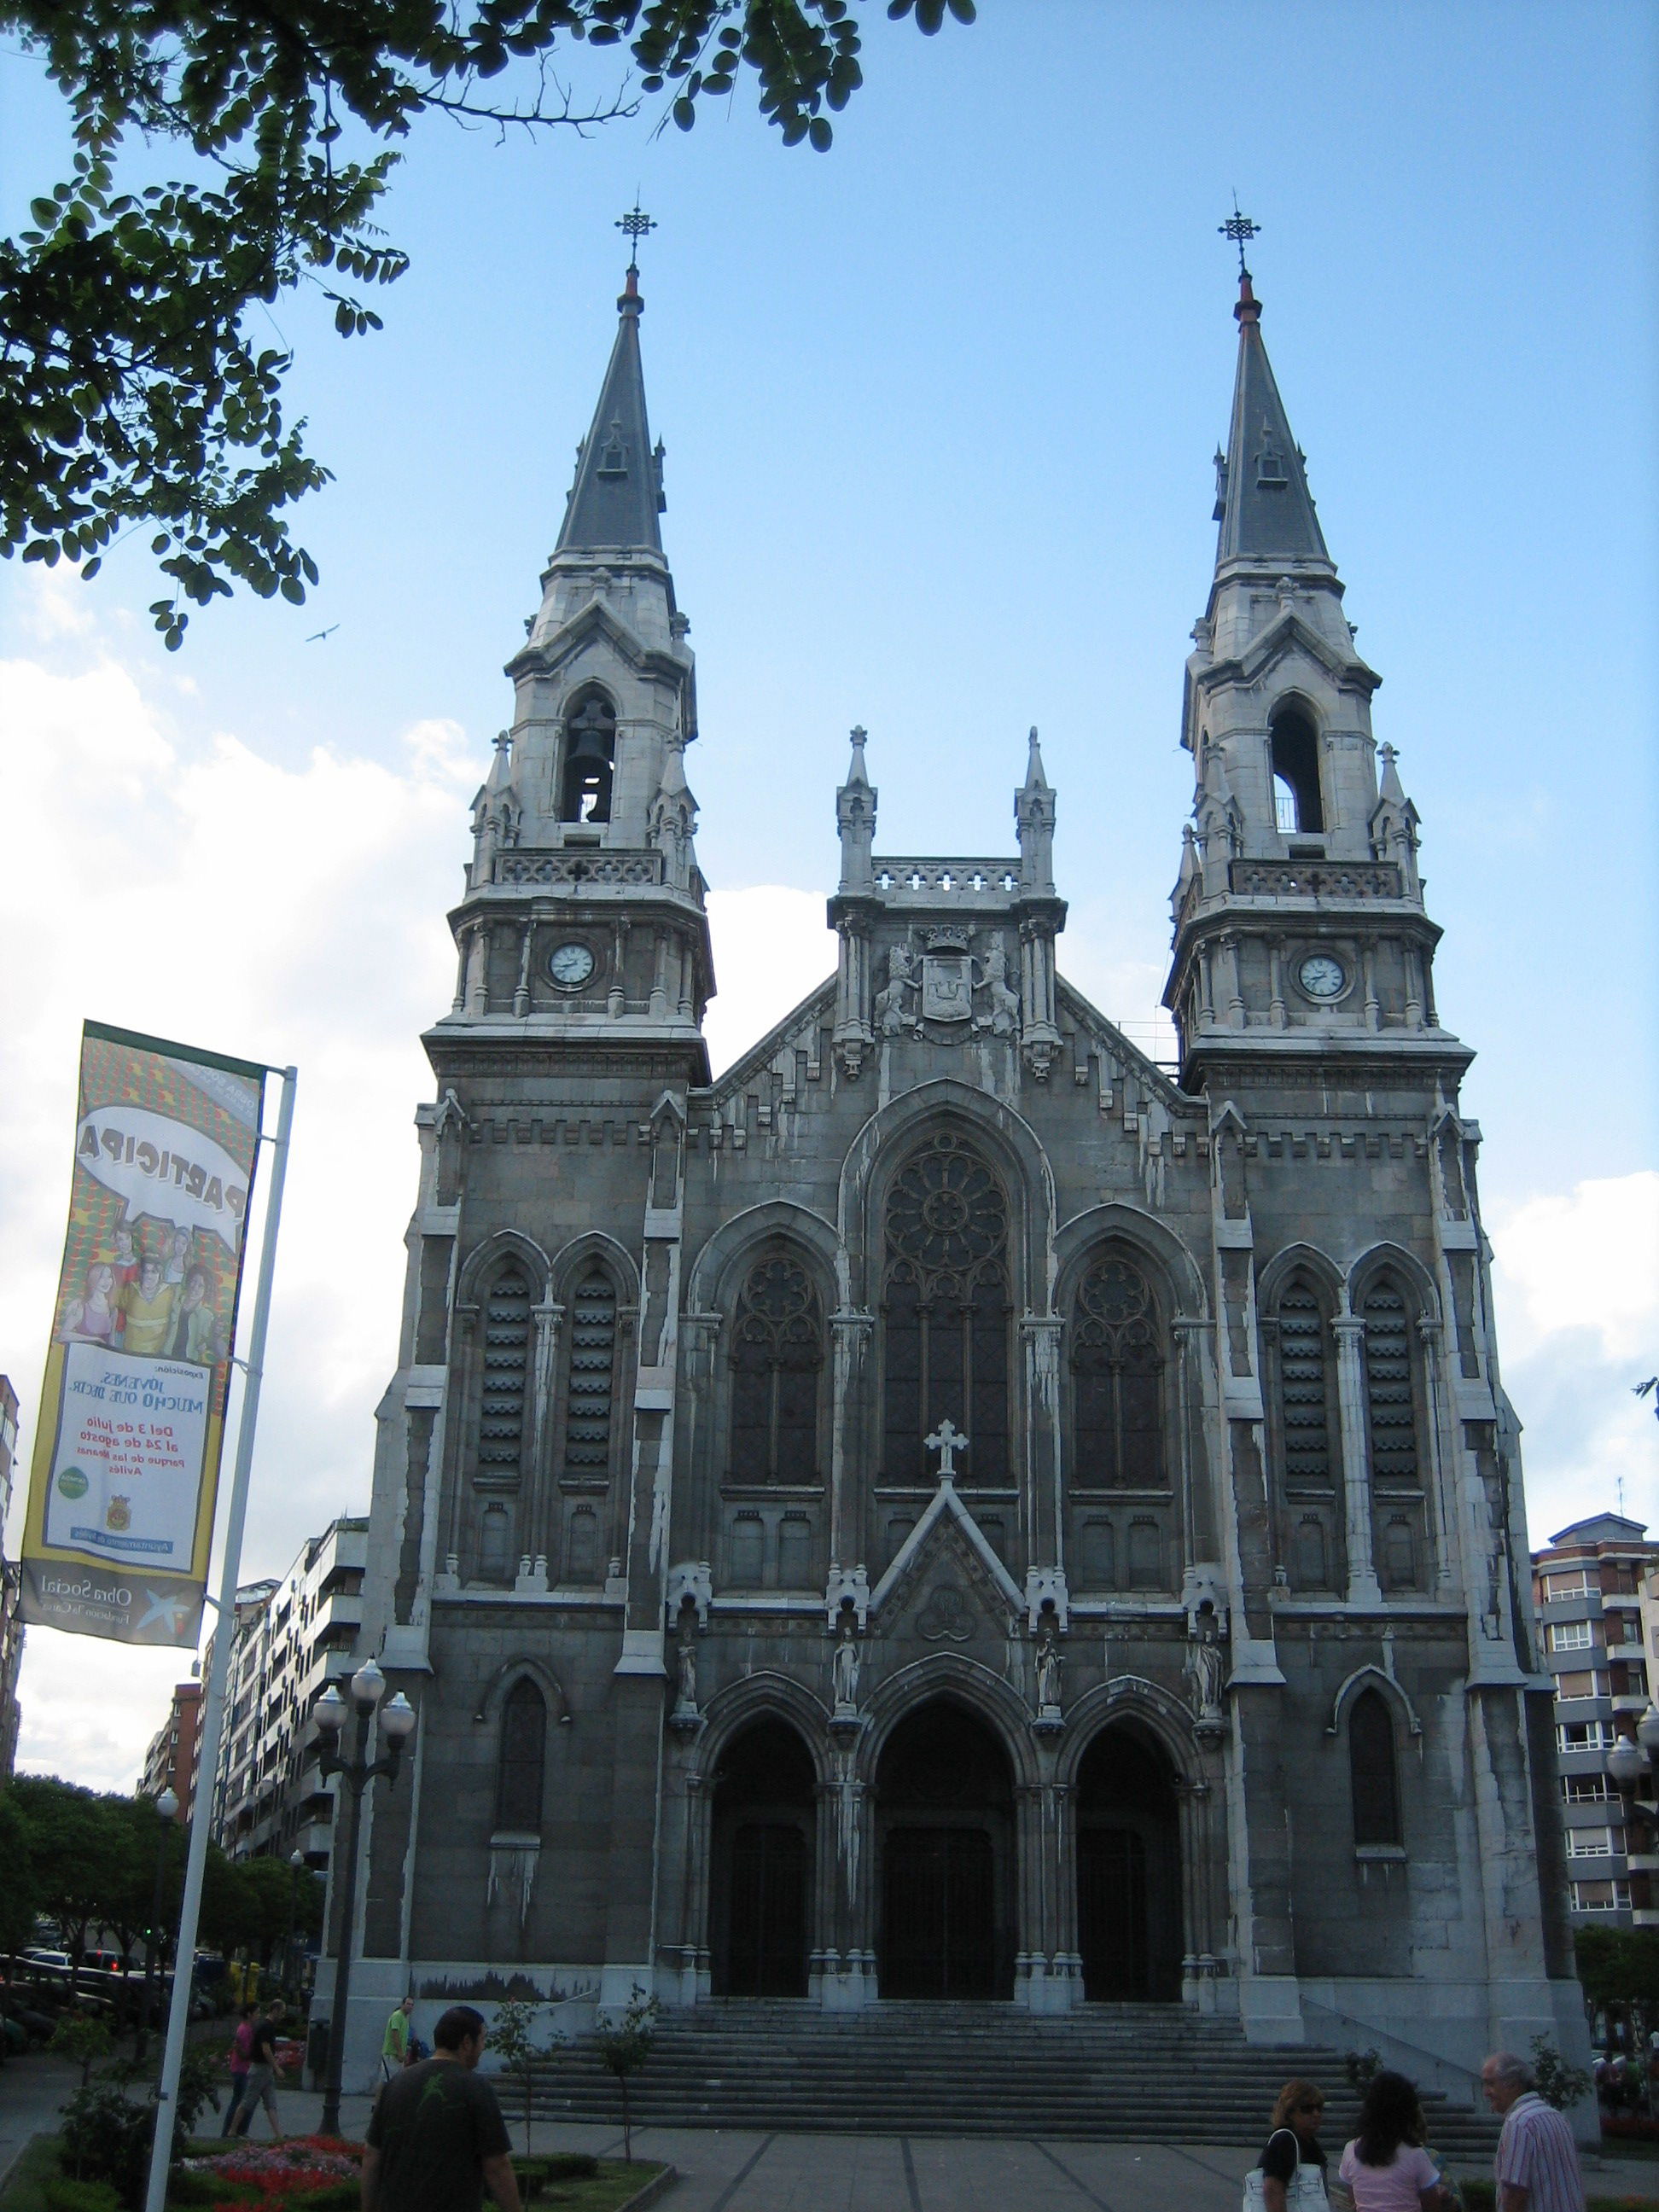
659	2185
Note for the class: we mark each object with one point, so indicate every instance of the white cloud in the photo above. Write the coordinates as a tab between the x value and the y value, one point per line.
771	946
1575	1279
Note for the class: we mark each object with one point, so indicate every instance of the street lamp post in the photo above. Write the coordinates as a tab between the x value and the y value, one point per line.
296	1859
397	1722
166	1812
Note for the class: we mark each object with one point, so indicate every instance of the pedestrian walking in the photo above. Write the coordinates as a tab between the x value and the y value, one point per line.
261	2085
436	2138
1386	2167
396	2045
1289	2175
237	2061
1536	2167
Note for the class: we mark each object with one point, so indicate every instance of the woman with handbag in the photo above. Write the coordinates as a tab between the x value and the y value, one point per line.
1289	2175
1386	2165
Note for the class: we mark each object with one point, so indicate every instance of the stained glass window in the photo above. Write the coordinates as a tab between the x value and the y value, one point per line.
945	1309
1117	1366
777	1353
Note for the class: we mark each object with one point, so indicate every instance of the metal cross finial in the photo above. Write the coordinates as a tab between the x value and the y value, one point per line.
947	1441
1241	230
636	225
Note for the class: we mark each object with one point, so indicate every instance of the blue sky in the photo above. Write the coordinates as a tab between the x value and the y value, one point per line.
939	409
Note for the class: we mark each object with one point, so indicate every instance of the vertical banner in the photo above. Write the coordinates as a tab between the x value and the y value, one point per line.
132	1409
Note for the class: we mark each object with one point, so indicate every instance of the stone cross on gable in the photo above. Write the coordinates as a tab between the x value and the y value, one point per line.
947	1441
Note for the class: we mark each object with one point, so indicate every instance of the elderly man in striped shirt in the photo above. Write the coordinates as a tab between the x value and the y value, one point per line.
1537	2164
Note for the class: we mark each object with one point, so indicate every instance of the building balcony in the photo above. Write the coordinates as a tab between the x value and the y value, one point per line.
315	1840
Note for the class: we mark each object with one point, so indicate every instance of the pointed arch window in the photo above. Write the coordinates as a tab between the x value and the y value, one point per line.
505	1375
1117	1369
523	1758
590	755
1390	1387
1372	1772
945	1312
590	1391
777	1358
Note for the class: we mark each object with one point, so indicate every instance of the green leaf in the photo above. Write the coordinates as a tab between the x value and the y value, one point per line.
44	211
294	591
683	113
820	134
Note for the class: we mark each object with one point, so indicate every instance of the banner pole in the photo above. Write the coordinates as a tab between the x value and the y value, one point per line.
207	1770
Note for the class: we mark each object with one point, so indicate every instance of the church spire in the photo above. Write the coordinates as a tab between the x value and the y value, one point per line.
1262	501
617	494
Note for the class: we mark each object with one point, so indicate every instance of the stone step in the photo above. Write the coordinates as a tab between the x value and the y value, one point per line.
1119	2073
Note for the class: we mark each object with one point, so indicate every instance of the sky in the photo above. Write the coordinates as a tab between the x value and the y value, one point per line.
939	409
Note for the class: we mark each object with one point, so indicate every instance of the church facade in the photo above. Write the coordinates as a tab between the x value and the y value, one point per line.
944	1508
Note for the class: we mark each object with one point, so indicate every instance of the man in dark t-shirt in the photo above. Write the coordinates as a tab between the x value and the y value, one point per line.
436	2139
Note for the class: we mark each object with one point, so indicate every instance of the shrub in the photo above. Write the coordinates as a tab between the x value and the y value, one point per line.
572	2165
1361	2067
337	2197
1558	2083
63	2195
1478	2195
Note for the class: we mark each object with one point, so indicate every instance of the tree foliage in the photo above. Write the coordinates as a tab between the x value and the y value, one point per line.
132	389
89	1862
17	1890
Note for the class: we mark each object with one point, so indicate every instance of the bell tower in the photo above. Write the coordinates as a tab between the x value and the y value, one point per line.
1299	923
582	921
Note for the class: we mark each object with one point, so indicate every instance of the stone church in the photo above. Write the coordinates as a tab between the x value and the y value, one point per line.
942	1509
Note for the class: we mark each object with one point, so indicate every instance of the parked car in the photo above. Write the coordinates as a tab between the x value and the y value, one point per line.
39	1958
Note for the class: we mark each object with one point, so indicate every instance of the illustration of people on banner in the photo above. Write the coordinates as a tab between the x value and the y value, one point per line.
126	1457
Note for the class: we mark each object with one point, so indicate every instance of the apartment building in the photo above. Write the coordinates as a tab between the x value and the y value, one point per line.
293	1635
1588	1585
175	1749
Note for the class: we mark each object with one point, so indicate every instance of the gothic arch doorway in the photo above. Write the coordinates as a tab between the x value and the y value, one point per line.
944	1832
1128	1870
763	1817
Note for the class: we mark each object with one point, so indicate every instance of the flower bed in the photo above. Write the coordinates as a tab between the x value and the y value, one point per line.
277	2176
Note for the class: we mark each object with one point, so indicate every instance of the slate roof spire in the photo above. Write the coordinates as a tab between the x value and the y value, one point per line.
1262	501
617	494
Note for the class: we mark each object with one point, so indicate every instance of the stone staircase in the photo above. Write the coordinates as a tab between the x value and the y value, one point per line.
1129	2073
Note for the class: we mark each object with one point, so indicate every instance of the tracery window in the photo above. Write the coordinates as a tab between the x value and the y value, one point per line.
777	1354
590	1385
1390	1397
506	1373
1117	1365
945	1309
523	1755
1371	1770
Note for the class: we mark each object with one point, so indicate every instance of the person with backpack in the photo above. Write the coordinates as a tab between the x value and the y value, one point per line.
1386	2165
238	2059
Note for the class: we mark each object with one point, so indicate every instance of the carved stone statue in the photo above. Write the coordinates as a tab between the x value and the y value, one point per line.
1004	1003
890	1010
844	1666
1049	1663
1208	1667
685	1661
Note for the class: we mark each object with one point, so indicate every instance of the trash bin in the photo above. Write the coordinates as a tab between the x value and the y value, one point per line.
317	2051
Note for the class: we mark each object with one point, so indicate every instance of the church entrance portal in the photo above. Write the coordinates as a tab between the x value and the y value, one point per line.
945	1830
1128	1871
762	1864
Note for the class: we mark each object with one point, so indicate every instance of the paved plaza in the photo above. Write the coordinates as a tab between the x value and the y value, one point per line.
732	2170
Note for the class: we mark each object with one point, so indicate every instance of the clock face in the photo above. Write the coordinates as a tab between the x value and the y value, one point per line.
1321	976
571	964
